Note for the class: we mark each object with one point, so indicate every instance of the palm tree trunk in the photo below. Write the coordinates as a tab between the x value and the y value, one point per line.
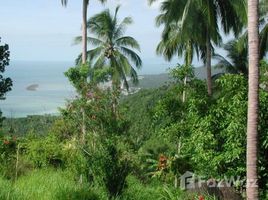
208	65
84	32
253	93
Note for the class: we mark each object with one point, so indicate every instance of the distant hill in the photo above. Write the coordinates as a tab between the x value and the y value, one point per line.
157	80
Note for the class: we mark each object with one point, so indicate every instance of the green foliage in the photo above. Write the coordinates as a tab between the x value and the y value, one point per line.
225	116
99	115
115	170
6	189
201	134
112	47
153	190
134	148
96	159
46	185
181	71
237	52
38	124
139	191
8	146
78	76
264	75
44	151
204	135
138	108
169	193
5	83
82	75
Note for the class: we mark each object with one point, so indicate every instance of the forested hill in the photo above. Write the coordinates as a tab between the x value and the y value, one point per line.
157	80
139	104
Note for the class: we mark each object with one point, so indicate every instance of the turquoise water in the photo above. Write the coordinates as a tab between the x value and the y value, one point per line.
53	87
52	91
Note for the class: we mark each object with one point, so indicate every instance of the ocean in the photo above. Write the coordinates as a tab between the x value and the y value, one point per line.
52	88
52	91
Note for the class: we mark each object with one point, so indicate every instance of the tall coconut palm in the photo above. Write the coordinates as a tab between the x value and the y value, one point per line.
211	13
84	41
253	99
113	48
84	27
177	43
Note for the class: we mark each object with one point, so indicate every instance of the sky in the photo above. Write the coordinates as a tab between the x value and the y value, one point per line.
43	30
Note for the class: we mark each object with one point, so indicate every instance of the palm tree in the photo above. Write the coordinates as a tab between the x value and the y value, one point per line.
84	27
237	49
176	42
84	42
237	53
253	94
210	13
180	41
113	48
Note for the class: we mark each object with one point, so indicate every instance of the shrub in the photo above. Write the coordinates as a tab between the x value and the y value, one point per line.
8	147
115	170
44	151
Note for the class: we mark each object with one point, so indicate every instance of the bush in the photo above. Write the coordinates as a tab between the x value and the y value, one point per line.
115	170
44	151
8	146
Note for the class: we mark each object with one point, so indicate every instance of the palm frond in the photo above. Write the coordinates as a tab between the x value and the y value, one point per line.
133	56
264	41
103	1
90	40
113	49
100	62
121	28
94	53
91	54
223	63
127	41
134	76
64	2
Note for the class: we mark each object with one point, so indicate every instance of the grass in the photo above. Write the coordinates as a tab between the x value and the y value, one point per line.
60	185
5	189
156	190
45	185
